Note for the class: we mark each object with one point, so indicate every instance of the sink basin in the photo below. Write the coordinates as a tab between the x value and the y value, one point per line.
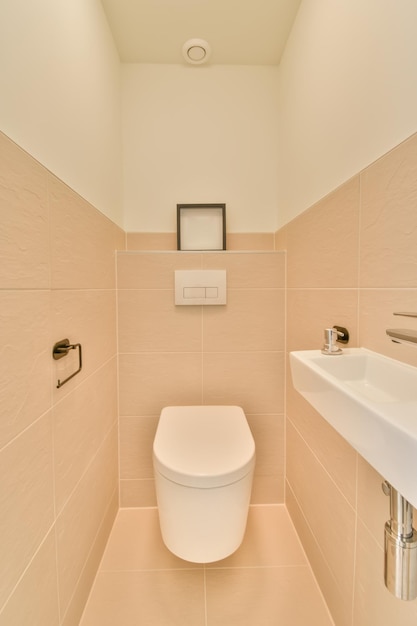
371	400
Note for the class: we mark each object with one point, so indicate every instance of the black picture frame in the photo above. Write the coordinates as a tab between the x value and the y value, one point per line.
201	227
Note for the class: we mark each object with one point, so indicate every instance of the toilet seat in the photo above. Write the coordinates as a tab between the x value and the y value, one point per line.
203	446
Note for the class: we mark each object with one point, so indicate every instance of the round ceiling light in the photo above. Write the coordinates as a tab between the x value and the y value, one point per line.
196	51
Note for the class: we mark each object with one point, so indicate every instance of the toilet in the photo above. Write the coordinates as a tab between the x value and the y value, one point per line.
204	458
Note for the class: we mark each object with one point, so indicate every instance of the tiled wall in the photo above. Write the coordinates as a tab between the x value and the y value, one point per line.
58	447
352	261
174	355
168	241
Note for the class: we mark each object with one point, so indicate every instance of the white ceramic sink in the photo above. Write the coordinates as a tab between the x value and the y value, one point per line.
371	400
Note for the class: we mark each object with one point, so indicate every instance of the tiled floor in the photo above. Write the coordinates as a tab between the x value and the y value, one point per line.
267	582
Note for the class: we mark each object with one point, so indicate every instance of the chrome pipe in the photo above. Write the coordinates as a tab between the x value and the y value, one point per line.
401	521
400	558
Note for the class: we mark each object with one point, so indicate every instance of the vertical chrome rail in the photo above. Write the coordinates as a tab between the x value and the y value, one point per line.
400	562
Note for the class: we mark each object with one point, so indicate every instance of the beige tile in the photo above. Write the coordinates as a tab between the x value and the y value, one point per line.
265	597
85	510
136	440
251	320
116	236
24	216
148	382
136	544
156	598
268	489
253	381
137	492
83	242
34	602
338	601
82	420
149	321
280	239
376	315
249	270
270	539
153	270
268	433
310	311
373	504
87	317
322	243
328	513
86	580
25	366
151	241
389	219
333	451
26	500
250	241
371	596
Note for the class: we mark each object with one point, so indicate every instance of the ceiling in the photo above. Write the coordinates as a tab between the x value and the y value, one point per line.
240	32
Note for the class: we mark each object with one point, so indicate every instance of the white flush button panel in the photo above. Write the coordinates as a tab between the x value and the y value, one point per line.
200	287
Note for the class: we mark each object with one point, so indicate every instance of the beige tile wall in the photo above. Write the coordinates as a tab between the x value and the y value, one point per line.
352	261
173	355
168	241
58	447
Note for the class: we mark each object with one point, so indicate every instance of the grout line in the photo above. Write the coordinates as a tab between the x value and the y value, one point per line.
292	566
149	570
116	271
355	550
86	562
321	464
319	549
359	268
51	531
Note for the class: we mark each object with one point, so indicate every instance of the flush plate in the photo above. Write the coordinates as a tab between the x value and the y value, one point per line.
200	287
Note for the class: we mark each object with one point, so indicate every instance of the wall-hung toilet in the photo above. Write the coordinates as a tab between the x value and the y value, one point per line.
204	458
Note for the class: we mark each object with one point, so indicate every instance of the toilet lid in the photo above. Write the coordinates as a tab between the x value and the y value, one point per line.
203	446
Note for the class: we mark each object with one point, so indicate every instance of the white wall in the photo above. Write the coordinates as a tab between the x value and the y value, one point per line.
267	141
200	134
60	93
348	94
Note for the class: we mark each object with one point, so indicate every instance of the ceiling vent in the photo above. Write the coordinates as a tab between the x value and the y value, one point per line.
196	51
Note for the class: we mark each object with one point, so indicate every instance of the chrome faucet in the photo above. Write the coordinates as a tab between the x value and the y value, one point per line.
400	335
331	335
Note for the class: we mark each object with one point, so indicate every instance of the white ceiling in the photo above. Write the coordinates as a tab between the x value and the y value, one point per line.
244	32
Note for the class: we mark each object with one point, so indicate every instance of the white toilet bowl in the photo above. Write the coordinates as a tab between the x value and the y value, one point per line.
204	458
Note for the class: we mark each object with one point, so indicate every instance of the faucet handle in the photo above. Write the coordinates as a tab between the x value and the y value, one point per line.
342	334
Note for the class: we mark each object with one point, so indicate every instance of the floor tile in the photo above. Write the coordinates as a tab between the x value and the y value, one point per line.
270	539
136	543
157	598
264	596
267	582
